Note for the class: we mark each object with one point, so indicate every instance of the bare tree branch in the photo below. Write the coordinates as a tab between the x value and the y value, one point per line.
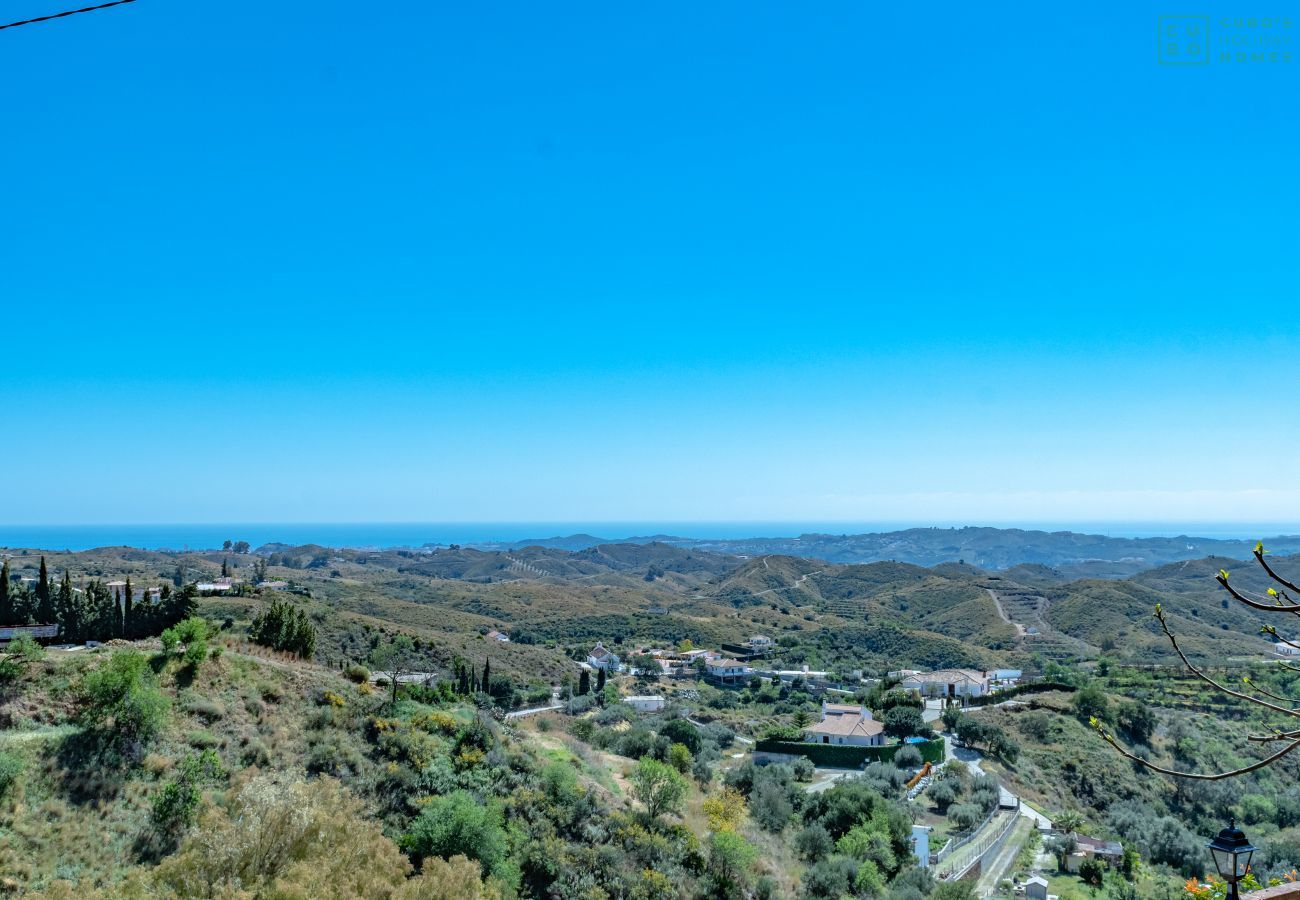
1164	626
1217	776
1259	555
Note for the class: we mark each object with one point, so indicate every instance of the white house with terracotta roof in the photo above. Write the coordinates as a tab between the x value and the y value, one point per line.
949	683
498	636
600	658
847	724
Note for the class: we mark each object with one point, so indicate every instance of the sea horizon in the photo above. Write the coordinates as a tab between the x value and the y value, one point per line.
374	535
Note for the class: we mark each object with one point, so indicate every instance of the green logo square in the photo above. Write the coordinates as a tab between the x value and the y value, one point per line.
1183	40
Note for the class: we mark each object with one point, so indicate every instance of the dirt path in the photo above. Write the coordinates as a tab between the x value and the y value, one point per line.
1002	614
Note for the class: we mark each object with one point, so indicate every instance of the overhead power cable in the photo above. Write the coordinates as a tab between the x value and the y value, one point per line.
71	12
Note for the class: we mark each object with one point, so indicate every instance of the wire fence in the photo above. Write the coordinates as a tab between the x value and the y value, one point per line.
956	868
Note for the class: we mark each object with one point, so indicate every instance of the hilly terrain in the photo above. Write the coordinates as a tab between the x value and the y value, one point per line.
555	604
1072	554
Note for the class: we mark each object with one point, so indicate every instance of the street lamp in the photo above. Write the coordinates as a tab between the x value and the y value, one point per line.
1231	852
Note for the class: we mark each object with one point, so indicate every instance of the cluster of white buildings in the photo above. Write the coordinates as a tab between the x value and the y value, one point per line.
956	683
718	666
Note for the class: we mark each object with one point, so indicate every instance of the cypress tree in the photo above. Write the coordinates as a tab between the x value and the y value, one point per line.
487	676
44	599
128	618
584	683
66	609
600	680
7	613
225	568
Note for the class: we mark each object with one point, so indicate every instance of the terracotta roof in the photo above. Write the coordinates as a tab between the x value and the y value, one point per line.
1097	846
847	726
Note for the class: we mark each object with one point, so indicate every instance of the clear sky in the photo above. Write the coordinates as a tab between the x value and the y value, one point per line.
673	261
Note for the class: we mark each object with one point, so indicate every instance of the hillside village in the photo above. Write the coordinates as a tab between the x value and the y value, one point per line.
982	759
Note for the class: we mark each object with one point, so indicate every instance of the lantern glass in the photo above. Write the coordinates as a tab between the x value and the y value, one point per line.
1223	863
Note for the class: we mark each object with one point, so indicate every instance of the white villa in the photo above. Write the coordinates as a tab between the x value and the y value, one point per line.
728	671
949	683
846	724
600	658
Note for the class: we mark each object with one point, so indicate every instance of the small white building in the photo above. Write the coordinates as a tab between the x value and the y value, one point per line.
495	635
846	724
647	703
760	642
728	671
600	658
1036	888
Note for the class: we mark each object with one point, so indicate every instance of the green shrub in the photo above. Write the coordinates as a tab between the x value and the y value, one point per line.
203	740
176	806
357	673
123	706
457	823
209	710
11	767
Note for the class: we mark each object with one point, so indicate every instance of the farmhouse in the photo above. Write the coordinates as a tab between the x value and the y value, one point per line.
1090	848
495	635
600	658
949	683
846	724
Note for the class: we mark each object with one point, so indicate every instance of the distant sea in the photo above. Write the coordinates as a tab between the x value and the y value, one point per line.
365	535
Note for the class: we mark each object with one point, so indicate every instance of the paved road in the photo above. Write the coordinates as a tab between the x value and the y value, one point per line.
518	713
972	759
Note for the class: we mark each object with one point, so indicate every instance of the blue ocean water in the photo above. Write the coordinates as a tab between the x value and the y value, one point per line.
199	536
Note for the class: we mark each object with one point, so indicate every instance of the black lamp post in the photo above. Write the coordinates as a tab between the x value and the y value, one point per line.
1231	852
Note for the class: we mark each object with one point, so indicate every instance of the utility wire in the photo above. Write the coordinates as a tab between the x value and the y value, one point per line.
71	12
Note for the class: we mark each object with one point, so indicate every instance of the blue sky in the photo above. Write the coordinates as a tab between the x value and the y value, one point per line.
724	261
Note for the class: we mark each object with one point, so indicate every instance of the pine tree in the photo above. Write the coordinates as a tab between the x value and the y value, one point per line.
584	683
128	616
44	598
487	676
184	603
8	615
